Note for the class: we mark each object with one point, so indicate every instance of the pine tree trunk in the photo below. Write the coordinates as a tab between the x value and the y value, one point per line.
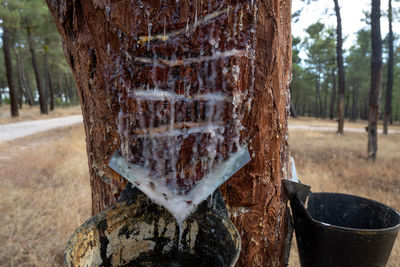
333	96
28	92
92	30
376	79
389	89
25	90
354	108
48	80
42	94
325	101
339	58
9	72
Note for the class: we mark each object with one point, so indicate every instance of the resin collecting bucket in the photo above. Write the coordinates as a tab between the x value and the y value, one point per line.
344	230
139	233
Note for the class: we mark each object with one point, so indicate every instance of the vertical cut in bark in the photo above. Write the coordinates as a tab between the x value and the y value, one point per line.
9	72
339	58
376	78
173	57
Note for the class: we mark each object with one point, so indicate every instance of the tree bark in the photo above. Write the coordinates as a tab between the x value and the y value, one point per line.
333	96
48	79
376	78
91	29
9	73
389	88
339	58
42	94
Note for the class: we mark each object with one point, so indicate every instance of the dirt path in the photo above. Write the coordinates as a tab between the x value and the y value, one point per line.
16	130
331	128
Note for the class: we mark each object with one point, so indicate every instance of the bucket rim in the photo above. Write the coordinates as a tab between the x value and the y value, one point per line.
349	229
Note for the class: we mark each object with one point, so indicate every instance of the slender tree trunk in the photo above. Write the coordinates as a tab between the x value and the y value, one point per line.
42	94
292	110
325	101
318	100
2	85
95	39
339	58
26	85
25	90
318	104
20	84
69	89
354	108
376	78
9	72
48	79
333	96
389	89
346	106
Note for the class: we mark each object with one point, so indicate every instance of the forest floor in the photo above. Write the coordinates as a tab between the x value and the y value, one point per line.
33	113
45	192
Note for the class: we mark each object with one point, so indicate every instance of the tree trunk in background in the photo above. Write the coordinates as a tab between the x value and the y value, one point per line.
346	106
20	94
25	90
354	107
9	72
333	96
69	89
2	85
28	90
376	78
325	101
48	79
91	29
42	94
339	58
292	110
389	89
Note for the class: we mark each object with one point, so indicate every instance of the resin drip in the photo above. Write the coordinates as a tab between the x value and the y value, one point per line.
185	81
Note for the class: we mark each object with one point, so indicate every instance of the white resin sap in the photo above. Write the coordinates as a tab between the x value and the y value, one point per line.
160	184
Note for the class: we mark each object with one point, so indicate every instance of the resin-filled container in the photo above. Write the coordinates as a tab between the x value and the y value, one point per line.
139	233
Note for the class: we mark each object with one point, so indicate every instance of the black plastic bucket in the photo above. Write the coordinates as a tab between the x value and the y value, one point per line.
344	230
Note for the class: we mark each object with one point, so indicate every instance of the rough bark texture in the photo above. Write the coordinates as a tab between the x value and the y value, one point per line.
339	58
42	95
254	197
389	88
9	72
376	78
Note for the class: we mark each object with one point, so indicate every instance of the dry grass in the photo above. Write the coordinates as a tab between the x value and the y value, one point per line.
33	113
45	196
311	121
332	163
